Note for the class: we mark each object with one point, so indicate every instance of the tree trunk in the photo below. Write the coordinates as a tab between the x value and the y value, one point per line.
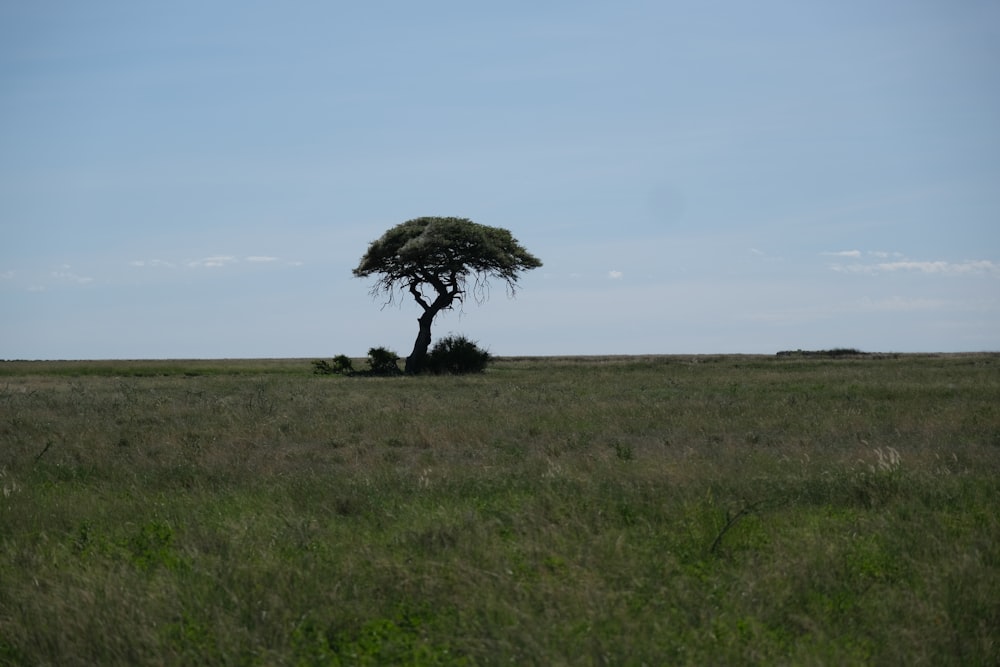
446	293
418	357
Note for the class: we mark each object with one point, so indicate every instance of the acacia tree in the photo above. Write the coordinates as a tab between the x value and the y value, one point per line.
440	261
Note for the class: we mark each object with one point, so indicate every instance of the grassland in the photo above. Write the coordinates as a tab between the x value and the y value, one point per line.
665	510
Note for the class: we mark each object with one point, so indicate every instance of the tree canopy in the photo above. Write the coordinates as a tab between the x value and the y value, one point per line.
434	259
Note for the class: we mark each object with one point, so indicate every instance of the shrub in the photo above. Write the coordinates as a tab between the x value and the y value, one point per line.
342	365
383	361
457	355
322	367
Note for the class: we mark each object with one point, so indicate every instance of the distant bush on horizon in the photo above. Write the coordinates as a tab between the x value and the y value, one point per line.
833	353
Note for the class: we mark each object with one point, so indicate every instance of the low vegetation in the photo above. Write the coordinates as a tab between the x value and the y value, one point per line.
451	355
381	362
604	510
835	352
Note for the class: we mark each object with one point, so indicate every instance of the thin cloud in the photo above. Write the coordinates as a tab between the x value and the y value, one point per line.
901	304
858	254
214	262
764	256
71	277
7	275
151	263
615	275
852	268
968	267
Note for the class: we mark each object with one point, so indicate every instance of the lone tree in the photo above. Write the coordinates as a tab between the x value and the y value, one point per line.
434	259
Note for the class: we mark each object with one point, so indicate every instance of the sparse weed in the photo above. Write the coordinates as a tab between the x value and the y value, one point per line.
878	480
8	484
622	451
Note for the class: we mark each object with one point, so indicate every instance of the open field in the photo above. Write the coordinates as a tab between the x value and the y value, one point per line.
660	510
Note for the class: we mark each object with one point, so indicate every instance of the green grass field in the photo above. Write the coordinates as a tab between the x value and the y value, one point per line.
712	510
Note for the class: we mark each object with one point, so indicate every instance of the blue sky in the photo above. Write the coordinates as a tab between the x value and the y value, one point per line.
198	179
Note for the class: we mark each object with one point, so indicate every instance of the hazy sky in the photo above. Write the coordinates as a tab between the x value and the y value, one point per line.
198	179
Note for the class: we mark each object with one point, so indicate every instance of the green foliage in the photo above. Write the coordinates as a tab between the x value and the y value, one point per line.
379	641
435	250
192	640
457	355
152	546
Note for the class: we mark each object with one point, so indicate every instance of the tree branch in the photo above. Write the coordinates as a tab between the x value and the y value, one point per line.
415	291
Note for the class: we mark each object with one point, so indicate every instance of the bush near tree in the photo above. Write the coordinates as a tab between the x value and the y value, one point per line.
342	365
381	361
453	355
457	355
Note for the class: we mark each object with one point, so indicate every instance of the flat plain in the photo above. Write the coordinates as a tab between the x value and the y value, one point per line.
682	510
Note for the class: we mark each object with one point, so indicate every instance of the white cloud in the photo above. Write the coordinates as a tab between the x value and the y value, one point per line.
615	275
844	253
261	258
213	262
